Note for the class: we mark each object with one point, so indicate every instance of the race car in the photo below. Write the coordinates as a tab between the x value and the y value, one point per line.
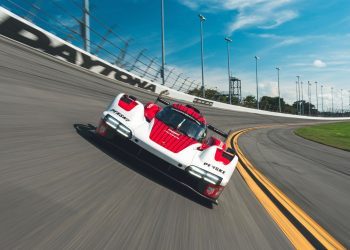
177	134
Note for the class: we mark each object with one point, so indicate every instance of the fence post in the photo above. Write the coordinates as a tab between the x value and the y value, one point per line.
122	53
171	71
137	59
157	74
176	80
191	85
148	67
183	84
104	39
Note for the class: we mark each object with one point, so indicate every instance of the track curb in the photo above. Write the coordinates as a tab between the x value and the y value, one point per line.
302	231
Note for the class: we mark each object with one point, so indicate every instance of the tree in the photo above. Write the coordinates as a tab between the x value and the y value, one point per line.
235	100
305	107
195	92
271	103
249	101
211	94
289	109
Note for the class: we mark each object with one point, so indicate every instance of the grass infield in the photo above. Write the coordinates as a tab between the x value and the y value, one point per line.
332	134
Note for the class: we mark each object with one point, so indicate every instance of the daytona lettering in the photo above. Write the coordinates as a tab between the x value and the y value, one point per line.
24	33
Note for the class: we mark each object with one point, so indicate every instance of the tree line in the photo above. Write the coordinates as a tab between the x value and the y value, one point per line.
267	103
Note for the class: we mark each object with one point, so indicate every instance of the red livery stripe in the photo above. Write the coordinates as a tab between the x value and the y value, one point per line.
190	111
223	156
127	103
151	110
172	140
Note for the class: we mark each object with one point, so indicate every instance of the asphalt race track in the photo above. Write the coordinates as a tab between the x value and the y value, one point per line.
316	177
62	189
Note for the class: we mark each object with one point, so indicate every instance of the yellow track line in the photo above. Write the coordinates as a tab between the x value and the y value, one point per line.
293	234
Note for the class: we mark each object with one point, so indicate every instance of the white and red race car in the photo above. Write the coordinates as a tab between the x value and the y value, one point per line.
177	134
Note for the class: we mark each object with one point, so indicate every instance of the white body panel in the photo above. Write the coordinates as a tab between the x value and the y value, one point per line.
141	129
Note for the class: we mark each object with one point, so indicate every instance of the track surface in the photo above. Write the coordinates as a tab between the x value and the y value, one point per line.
314	176
60	190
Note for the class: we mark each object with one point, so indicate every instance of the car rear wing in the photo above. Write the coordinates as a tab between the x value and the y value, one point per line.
218	131
160	99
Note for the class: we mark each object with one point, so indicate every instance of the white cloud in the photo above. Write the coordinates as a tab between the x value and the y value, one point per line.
282	17
319	63
190	4
268	88
265	14
174	47
283	40
67	22
244	21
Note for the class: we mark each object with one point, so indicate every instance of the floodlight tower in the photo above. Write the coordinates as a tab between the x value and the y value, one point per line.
228	41
201	20
163	43
279	93
256	79
86	25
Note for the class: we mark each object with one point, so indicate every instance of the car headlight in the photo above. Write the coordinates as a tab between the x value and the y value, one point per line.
118	126
202	174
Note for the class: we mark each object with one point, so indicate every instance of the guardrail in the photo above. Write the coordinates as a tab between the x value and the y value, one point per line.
20	30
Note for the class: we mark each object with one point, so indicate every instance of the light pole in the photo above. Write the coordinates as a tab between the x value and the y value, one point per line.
86	26
341	97
316	99
309	95
296	95
163	44
302	99
322	98
256	79
332	99
298	103
228	41
349	100
279	93
201	20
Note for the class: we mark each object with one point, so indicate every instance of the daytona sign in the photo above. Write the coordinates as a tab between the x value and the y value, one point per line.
24	32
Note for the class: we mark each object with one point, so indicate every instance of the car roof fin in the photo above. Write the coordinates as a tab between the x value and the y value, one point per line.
191	107
218	131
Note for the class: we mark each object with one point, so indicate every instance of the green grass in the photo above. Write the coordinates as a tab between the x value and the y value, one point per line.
332	134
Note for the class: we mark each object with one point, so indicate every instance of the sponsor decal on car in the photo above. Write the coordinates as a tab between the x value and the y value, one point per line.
120	115
172	133
214	167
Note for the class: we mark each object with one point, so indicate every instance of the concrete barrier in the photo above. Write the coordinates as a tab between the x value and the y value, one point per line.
19	29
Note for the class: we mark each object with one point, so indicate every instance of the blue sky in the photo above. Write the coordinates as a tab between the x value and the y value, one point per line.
310	38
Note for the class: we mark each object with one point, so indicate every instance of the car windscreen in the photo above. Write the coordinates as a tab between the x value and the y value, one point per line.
182	123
